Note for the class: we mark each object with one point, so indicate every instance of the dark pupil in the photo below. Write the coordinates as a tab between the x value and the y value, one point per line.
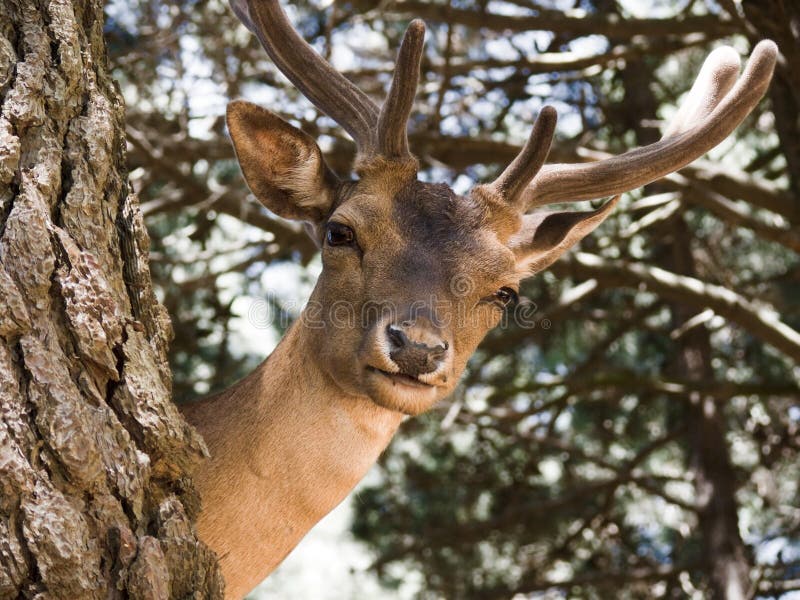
339	235
505	295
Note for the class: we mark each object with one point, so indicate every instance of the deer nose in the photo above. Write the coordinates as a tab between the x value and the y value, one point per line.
415	355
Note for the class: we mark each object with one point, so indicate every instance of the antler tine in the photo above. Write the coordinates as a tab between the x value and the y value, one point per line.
635	168
325	87
717	76
514	179
393	121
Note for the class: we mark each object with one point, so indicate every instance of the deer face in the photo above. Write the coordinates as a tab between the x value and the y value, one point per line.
412	280
414	275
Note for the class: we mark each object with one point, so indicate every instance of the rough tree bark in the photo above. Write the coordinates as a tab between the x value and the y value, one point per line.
95	499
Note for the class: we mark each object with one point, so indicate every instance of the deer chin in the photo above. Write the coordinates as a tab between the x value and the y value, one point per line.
400	392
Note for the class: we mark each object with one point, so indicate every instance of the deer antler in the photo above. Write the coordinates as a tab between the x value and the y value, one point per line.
711	113
715	107
511	183
375	132
393	122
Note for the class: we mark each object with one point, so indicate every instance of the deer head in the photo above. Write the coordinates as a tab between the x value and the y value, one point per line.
414	275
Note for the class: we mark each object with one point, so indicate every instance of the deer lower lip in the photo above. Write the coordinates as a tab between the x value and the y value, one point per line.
400	378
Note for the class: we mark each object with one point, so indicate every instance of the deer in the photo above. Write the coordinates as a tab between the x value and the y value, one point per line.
290	441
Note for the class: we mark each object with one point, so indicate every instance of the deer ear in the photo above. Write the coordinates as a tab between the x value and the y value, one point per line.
282	165
545	236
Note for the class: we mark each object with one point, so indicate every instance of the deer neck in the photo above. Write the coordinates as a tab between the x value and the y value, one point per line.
287	445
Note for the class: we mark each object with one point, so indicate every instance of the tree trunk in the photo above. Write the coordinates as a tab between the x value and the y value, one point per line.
714	477
780	21
727	566
95	498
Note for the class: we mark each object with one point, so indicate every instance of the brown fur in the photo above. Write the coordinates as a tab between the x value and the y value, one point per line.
287	445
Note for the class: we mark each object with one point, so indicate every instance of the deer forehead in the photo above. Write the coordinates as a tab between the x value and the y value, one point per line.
426	230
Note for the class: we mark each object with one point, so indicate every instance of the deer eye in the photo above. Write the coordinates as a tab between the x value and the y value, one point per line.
505	296
339	235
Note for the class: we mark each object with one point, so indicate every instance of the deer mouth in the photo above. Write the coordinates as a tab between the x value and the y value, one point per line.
400	378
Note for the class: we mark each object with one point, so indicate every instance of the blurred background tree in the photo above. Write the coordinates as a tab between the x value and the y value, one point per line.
641	440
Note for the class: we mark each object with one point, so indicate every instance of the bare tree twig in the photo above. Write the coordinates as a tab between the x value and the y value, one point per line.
758	318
